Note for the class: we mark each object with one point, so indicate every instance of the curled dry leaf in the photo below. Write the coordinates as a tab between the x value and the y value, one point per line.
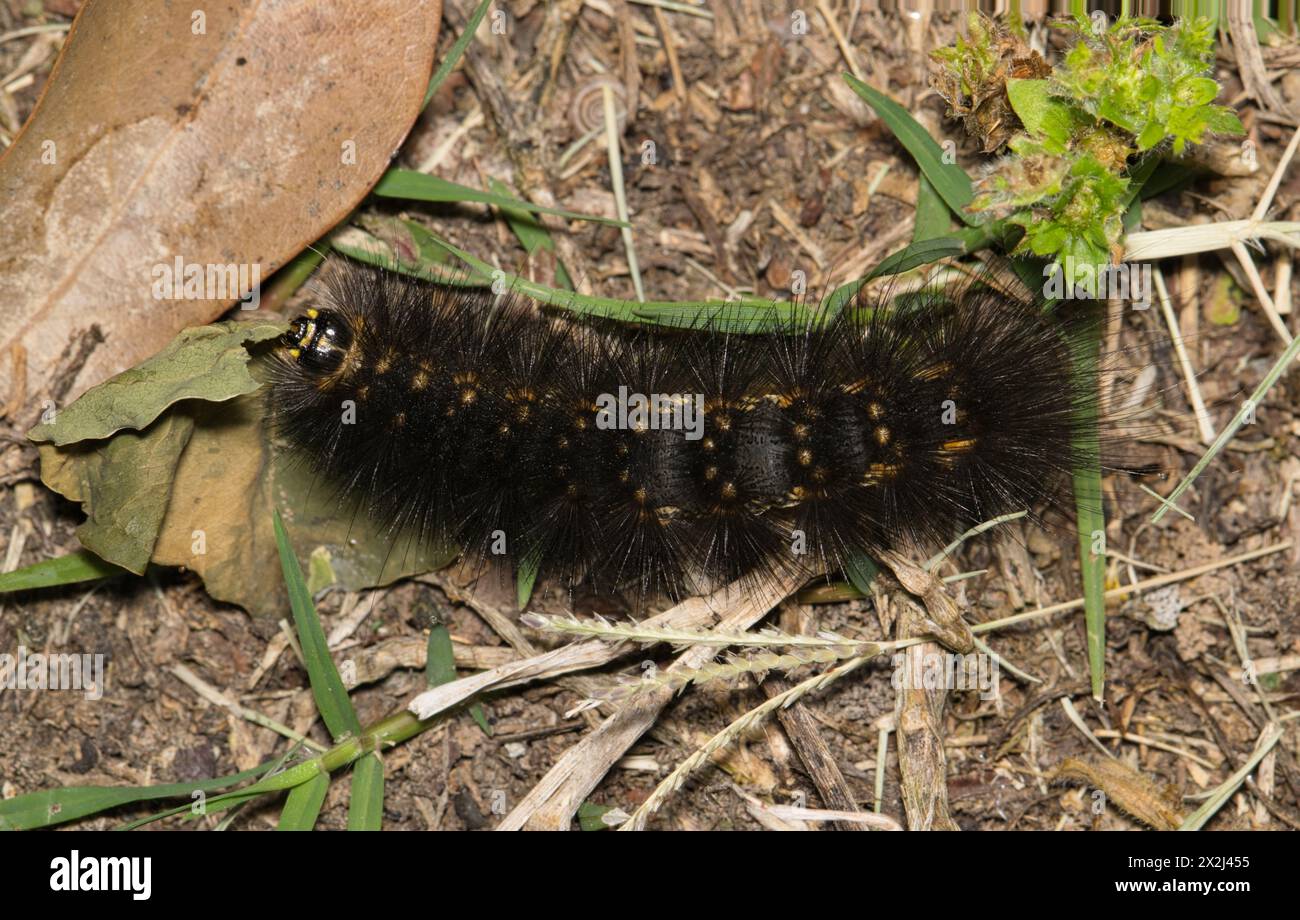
173	465
228	135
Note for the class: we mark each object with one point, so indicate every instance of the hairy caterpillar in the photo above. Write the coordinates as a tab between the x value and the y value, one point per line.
673	459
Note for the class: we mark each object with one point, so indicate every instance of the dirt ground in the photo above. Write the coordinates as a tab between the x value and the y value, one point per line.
764	163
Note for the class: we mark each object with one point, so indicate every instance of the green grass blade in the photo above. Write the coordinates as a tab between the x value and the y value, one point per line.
526	577
326	685
291	778
265	769
531	234
919	253
933	219
410	185
1089	508
302	806
58	806
454	55
366	806
79	566
591	817
440	668
440	663
952	184
745	316
370	250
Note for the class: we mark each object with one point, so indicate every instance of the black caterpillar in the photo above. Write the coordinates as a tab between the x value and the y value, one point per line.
459	415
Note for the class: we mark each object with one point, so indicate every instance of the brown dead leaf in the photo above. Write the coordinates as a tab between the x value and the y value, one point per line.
234	134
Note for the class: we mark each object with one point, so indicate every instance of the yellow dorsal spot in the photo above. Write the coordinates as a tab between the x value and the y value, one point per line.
312	313
875	411
805	457
882	435
879	472
295	352
728	490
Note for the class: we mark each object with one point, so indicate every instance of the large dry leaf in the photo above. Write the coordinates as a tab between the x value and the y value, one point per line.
222	134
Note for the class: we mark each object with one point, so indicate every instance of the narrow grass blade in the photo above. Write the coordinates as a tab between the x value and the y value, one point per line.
948	179
366	248
266	769
591	817
1089	509
917	254
440	668
291	778
743	316
302	806
531	234
366	806
417	186
58	806
526	577
79	566
933	219
457	50
326	685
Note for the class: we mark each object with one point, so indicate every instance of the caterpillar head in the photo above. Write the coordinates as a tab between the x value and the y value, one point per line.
318	340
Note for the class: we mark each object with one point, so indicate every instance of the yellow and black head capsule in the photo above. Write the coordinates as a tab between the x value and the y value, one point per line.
318	340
